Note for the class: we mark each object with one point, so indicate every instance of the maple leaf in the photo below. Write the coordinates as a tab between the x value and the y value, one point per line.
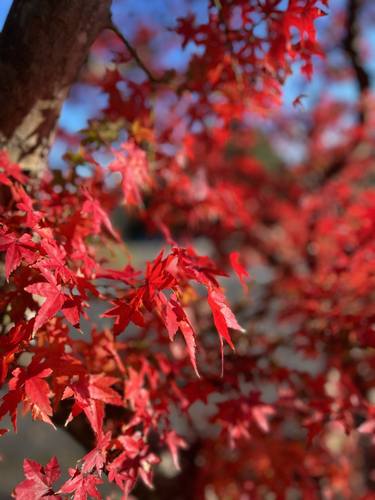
91	208
11	343
128	275
303	18
131	163
53	265
72	309
25	204
54	301
189	336
96	458
126	312
222	314
100	389
174	442
9	405
82	485
9	170
17	249
39	481
93	409
260	414
90	395
28	385
239	269
36	390
174	318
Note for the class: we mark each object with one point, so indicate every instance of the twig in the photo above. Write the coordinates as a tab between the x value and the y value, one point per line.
133	52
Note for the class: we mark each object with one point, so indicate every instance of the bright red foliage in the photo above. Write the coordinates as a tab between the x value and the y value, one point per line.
291	369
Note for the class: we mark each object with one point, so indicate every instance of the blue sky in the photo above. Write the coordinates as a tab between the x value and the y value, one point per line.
4	8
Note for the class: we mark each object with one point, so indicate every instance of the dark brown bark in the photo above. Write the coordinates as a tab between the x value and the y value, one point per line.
42	48
350	45
351	48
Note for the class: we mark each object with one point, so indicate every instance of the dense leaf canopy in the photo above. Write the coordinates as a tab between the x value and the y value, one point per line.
191	152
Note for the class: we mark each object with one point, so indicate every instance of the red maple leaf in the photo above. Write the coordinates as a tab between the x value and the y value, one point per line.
54	301
131	163
222	314
174	443
82	485
9	169
90	394
91	209
39	481
17	248
239	269
36	391
96	458
11	343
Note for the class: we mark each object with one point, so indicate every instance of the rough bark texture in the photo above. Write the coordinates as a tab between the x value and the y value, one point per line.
42	48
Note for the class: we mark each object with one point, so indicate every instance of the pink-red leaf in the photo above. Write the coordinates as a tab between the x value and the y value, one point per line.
239	269
39	481
54	301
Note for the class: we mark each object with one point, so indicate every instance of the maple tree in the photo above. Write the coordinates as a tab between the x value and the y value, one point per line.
286	369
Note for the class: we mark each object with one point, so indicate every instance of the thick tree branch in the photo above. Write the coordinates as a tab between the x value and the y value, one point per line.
350	46
42	48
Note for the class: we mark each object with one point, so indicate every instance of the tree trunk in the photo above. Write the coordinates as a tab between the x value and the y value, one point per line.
42	48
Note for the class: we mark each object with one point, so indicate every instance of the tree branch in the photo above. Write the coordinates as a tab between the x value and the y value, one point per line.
350	46
43	46
133	52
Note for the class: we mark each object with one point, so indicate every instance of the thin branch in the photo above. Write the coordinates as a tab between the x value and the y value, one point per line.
133	52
